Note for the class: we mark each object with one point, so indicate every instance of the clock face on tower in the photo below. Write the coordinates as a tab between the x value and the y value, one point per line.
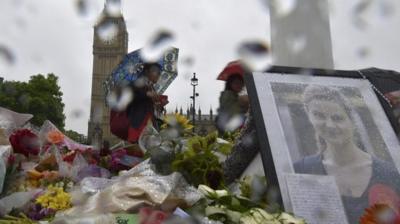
109	41
107	33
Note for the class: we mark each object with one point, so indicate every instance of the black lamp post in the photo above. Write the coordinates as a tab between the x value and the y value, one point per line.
194	82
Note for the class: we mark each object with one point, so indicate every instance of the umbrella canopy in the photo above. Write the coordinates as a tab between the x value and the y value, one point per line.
233	67
131	68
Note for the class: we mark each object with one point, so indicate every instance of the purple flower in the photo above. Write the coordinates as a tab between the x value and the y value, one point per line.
37	212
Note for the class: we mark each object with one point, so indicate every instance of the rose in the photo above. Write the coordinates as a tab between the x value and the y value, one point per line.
25	142
69	157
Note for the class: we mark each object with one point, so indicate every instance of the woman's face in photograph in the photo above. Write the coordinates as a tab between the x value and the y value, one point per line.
330	121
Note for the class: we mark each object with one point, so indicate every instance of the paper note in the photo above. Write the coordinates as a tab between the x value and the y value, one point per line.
316	198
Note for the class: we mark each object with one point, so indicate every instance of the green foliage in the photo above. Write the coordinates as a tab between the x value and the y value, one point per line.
245	188
210	142
40	96
199	164
17	220
76	136
255	188
231	136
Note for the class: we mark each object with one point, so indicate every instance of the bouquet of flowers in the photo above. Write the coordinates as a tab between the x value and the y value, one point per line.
226	208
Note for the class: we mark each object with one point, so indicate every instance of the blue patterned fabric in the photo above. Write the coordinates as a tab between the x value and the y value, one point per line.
131	68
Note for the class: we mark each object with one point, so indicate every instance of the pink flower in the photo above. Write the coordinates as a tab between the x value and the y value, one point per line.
150	216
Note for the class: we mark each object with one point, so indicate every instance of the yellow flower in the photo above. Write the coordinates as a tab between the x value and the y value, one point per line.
178	121
55	198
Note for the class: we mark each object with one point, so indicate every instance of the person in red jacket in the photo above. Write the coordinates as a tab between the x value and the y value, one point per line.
129	124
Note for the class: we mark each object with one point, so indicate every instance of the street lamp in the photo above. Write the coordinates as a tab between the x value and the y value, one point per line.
194	82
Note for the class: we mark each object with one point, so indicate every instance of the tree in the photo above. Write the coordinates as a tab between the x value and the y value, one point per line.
76	136
40	96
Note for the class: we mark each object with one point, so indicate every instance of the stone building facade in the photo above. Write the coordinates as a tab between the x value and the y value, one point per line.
204	123
110	45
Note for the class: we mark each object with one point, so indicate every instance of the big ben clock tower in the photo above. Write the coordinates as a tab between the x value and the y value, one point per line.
110	45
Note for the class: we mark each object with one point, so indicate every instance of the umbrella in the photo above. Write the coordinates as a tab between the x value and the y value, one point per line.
131	68
233	67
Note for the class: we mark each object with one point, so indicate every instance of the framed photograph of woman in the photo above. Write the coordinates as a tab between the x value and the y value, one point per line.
327	129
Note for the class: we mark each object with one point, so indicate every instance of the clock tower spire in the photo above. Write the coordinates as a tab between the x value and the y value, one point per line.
110	45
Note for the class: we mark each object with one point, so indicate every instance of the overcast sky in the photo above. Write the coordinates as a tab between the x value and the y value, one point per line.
47	36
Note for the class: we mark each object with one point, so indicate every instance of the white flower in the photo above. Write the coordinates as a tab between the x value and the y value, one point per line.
207	191
286	218
218	209
221	193
258	216
233	216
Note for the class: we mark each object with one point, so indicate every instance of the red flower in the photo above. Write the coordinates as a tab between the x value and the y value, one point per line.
383	194
70	156
380	214
25	142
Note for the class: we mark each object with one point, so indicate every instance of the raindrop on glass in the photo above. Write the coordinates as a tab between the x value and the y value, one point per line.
10	90
24	100
188	61
37	58
187	76
97	113
297	44
386	8
7	57
18	3
5	121
283	7
195	25
248	140
89	9
107	31
170	133
157	46
363	52
386	215
171	120
273	194
140	82
307	75
77	113
20	22
113	7
371	13
255	55
32	8
234	123
320	214
119	100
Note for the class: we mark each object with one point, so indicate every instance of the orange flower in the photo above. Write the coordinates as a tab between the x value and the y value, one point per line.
55	137
34	174
380	214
